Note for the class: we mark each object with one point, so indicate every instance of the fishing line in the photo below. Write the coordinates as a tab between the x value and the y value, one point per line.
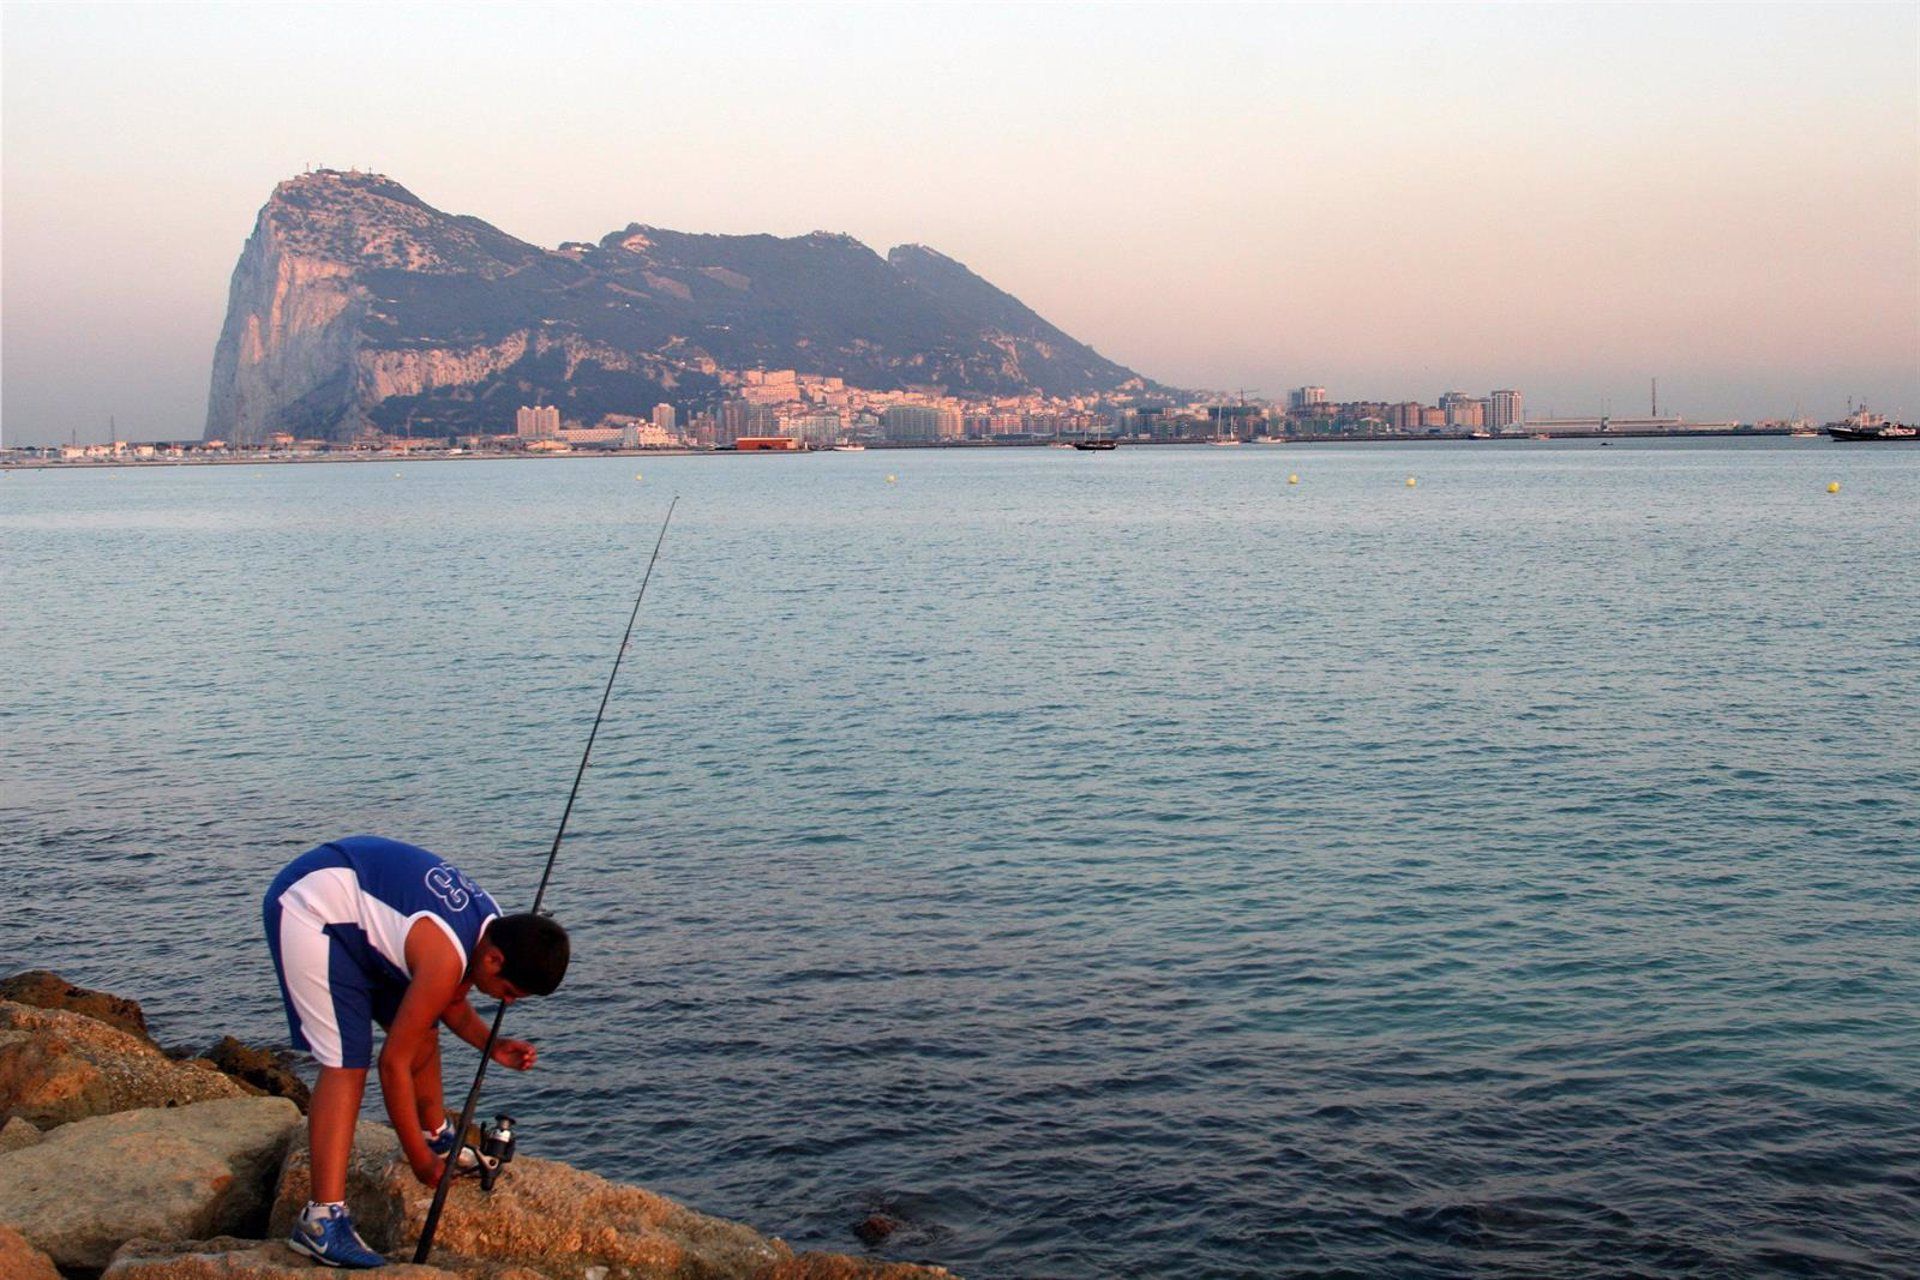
493	1034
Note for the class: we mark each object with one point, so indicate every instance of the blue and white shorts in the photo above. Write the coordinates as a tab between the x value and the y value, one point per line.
334	984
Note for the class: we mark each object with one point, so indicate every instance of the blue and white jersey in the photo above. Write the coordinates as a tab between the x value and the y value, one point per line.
380	888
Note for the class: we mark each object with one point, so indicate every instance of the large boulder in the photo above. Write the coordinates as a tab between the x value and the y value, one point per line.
21	1261
45	989
561	1223
177	1173
57	1067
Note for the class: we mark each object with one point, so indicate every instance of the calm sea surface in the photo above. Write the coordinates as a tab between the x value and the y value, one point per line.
1124	865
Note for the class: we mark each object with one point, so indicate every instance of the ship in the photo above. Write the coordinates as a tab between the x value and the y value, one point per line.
1863	424
1095	446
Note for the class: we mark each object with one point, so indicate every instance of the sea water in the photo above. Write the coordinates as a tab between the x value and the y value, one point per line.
1106	865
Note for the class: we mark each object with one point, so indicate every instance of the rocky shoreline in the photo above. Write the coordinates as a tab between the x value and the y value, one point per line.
123	1160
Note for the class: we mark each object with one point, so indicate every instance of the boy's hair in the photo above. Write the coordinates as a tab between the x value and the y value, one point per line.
534	951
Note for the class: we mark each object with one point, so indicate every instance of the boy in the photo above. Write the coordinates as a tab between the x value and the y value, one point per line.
367	929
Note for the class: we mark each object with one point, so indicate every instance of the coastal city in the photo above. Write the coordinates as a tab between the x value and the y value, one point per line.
790	411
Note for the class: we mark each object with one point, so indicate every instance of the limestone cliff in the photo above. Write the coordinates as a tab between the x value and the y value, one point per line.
355	305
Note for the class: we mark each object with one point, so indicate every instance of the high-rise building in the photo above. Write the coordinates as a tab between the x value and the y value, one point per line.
537	422
740	418
1506	409
920	424
664	417
1302	397
822	430
1462	410
1405	416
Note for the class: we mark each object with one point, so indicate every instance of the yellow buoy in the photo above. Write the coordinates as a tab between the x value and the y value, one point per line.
1834	487
1293	479
1411	482
892	479
636	475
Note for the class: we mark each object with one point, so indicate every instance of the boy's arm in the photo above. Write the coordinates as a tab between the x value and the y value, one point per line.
465	1023
436	976
471	1027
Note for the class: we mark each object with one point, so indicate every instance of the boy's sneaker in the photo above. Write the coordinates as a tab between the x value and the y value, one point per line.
331	1240
443	1142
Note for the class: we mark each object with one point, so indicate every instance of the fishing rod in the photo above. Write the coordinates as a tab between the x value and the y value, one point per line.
493	1034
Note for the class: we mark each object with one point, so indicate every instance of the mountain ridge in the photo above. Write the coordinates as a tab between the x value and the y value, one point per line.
357	305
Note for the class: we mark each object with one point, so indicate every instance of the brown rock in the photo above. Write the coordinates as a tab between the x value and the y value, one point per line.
57	1066
172	1173
875	1227
261	1069
559	1223
17	1133
47	990
21	1261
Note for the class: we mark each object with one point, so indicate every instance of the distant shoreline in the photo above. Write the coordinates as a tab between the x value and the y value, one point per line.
10	463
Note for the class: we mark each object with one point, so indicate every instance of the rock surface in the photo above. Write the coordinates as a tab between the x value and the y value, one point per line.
561	1223
21	1261
262	1070
57	1067
177	1173
45	989
227	1258
18	1132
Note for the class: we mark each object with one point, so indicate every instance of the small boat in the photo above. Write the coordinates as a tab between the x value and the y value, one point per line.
1270	440
1095	446
849	448
1863	424
1225	442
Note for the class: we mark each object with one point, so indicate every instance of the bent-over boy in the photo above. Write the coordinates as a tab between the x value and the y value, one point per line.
367	930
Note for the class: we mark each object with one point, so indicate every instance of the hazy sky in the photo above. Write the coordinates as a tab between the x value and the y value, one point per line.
1392	201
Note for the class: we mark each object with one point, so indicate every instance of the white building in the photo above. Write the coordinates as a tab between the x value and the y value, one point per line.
664	418
1506	409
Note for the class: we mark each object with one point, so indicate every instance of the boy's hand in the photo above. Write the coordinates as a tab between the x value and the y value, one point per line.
517	1054
429	1170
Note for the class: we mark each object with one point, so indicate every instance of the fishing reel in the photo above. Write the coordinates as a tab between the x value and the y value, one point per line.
495	1151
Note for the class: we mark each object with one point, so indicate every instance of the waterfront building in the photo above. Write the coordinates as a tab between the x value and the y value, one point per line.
664	418
920	424
604	436
1305	397
740	418
1505	409
1405	416
537	422
819	430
